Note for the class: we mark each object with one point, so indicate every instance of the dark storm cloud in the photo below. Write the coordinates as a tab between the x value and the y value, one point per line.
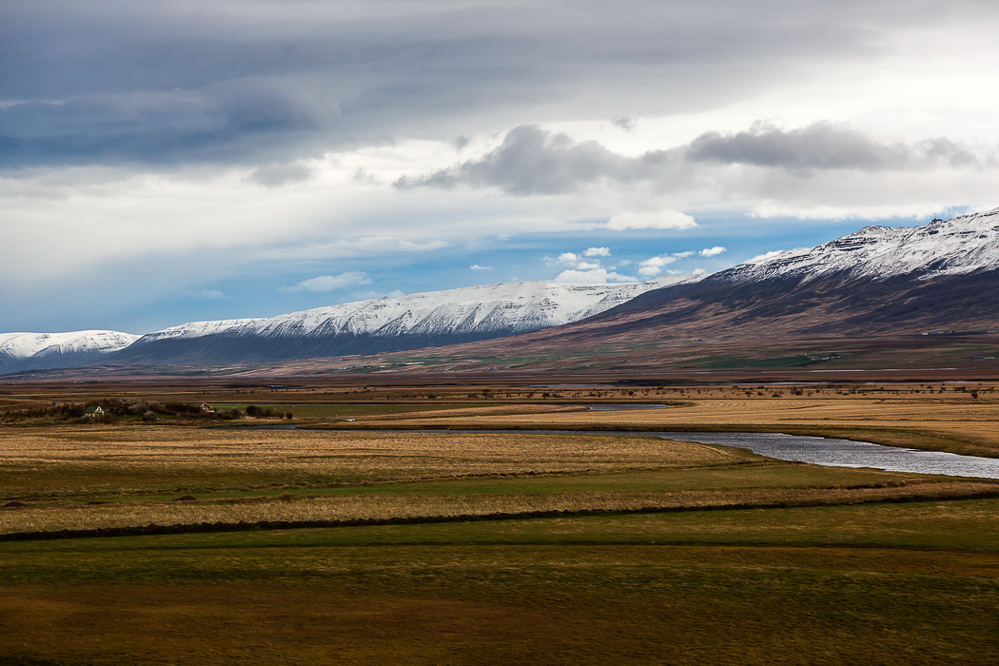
823	146
164	127
533	161
261	82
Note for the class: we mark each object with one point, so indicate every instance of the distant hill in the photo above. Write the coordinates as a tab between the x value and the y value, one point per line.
31	351
372	326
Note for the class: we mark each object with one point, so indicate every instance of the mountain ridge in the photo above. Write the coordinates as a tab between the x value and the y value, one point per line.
375	325
878	281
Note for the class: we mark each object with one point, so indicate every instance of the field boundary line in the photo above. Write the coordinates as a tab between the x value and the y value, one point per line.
200	528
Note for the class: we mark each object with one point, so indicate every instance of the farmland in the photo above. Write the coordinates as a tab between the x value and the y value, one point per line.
176	542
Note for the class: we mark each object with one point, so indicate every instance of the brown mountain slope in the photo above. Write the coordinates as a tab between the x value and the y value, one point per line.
783	315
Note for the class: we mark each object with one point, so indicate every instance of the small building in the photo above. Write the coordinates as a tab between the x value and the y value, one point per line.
207	409
94	411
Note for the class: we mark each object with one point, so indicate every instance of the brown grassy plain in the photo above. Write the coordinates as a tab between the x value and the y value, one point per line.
60	478
730	559
902	416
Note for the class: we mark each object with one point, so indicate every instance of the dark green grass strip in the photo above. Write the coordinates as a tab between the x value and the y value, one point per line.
193	528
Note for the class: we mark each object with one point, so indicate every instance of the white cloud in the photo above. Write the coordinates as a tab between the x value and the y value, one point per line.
712	251
666	219
592	276
476	267
583	271
332	282
654	265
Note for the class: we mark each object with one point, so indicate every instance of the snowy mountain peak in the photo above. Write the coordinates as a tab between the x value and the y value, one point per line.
963	244
27	345
198	328
500	308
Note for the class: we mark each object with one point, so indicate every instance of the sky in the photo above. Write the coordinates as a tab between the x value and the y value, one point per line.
173	161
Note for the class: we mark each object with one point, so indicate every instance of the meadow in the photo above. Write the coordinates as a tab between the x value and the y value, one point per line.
364	546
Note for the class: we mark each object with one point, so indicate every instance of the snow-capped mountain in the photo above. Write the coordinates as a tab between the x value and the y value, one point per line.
957	246
386	324
510	307
24	351
878	281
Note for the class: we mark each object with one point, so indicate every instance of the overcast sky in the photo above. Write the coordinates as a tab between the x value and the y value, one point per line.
171	161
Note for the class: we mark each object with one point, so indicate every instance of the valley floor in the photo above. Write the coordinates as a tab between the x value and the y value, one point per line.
289	547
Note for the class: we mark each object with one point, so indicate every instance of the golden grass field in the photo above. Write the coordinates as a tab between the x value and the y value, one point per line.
958	424
92	477
58	472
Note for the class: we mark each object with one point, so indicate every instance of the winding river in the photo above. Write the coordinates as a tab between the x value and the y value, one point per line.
798	448
832	452
816	450
846	453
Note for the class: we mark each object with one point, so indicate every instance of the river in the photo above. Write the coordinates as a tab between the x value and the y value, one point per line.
799	448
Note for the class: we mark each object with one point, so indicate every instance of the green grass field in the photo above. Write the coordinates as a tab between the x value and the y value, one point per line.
912	584
342	411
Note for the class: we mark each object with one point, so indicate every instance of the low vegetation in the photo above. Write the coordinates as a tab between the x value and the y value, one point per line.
426	547
111	410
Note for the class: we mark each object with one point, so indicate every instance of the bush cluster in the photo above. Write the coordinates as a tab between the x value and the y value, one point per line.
264	412
115	408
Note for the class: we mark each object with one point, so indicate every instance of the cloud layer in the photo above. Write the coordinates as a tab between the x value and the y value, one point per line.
531	160
821	169
266	82
209	156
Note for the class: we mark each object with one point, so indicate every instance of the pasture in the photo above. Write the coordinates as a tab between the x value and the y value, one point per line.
287	547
